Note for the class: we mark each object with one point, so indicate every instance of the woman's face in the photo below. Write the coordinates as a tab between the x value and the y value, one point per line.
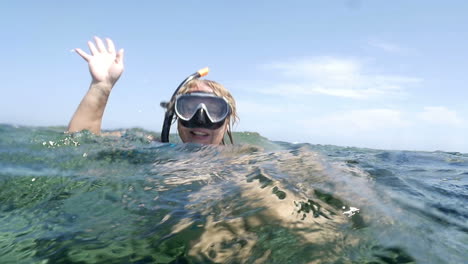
202	135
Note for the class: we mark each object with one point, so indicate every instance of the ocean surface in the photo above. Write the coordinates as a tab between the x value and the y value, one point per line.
83	198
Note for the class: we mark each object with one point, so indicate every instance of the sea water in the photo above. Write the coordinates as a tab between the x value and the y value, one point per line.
83	198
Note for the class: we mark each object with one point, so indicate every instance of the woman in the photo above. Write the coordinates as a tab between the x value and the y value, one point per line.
205	110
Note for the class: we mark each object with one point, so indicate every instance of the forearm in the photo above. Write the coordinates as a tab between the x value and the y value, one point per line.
88	115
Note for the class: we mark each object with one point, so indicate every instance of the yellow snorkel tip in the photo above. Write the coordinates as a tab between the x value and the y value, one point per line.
203	72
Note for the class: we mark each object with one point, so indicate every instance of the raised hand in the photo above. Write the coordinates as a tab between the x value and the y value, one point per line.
105	64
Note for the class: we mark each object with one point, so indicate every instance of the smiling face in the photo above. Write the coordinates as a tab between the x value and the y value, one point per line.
201	135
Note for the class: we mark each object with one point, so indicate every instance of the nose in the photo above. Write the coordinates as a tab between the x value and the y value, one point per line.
201	116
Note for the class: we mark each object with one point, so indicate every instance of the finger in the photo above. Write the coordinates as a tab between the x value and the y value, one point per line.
92	48
83	54
110	45
120	56
100	44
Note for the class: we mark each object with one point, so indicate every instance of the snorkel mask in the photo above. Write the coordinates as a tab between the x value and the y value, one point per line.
195	109
201	110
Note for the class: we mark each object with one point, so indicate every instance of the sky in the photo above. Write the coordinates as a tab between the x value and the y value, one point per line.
364	73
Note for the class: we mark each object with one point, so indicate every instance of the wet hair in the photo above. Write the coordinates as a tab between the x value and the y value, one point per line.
218	90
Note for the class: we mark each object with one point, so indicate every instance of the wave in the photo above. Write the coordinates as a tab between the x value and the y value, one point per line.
81	198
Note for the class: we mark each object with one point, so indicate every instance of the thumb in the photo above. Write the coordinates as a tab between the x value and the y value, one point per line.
120	56
83	54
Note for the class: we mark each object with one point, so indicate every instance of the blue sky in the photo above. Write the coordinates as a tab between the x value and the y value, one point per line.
378	74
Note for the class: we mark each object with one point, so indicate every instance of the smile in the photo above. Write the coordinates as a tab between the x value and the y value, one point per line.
198	133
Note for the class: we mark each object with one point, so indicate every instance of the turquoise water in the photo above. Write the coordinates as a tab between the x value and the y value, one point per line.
88	199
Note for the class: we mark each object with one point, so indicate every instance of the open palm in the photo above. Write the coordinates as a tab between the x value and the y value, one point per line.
105	64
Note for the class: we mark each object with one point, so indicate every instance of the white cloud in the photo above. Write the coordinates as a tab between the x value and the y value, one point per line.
249	107
351	93
363	120
440	115
386	46
428	128
336	77
333	70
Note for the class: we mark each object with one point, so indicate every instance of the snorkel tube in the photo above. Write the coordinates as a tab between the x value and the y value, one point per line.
170	112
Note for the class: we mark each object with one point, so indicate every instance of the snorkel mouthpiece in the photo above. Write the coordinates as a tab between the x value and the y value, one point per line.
170	112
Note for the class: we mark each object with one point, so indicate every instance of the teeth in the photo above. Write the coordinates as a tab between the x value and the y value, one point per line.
199	133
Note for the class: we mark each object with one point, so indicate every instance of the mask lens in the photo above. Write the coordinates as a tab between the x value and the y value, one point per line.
216	108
